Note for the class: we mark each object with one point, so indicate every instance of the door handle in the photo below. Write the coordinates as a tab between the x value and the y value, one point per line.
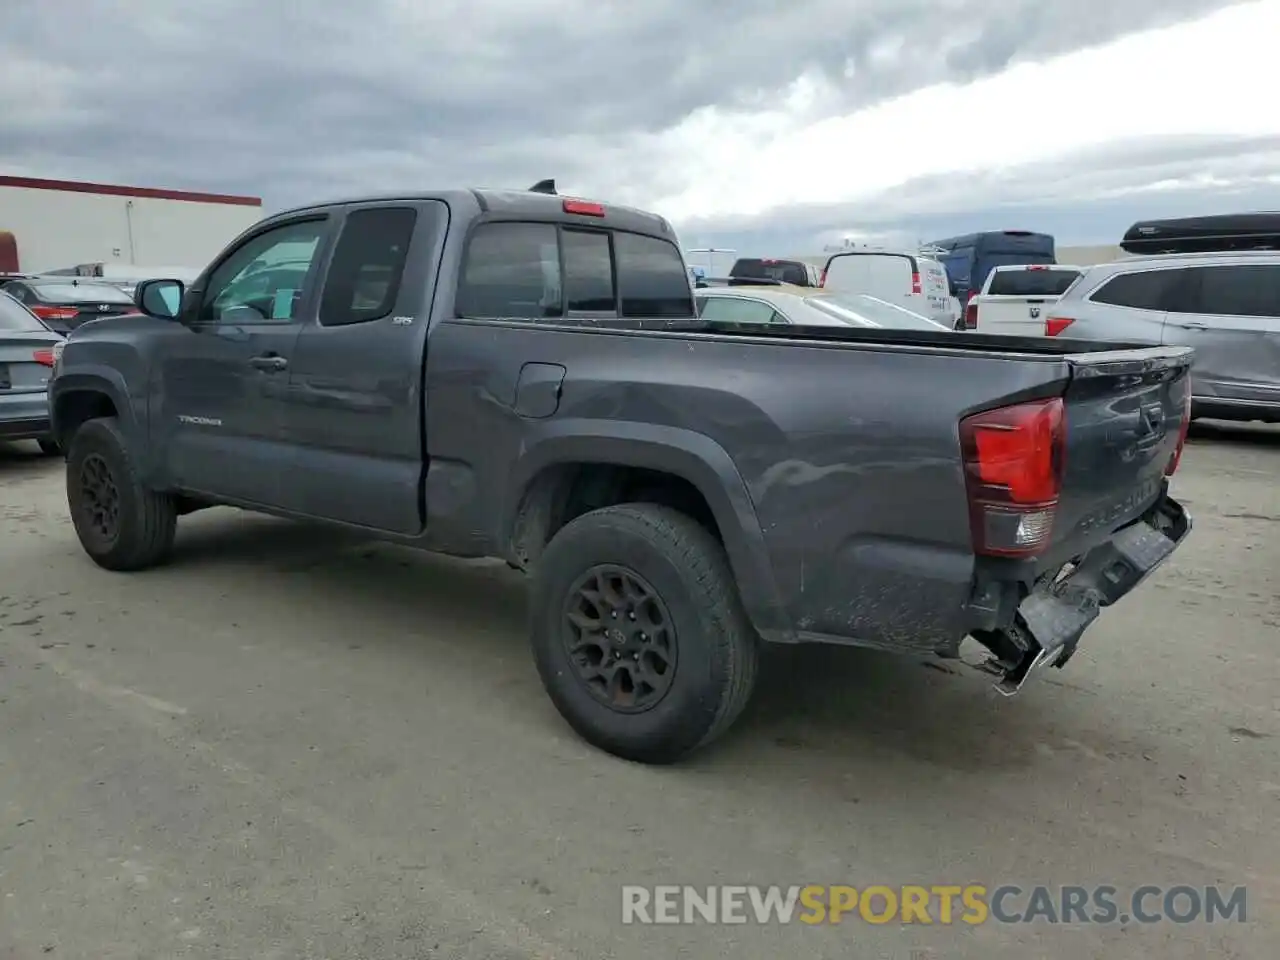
269	362
1195	325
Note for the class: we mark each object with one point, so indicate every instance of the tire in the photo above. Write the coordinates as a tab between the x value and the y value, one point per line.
49	448
141	534
716	649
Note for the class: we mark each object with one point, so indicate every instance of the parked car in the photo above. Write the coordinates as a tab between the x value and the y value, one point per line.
27	350
532	383
64	303
797	273
807	307
1015	298
1224	304
910	279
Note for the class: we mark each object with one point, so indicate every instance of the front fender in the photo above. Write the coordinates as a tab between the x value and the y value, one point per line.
87	380
682	453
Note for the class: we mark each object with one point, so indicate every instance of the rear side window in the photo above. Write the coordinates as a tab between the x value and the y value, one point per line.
1031	283
1148	290
512	271
368	265
738	310
588	272
652	282
1251	290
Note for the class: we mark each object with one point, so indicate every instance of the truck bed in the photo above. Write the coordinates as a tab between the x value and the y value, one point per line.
1025	347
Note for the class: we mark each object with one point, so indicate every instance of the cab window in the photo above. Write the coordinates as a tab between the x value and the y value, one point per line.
263	280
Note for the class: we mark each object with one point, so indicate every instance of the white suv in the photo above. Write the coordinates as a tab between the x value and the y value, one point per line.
1226	305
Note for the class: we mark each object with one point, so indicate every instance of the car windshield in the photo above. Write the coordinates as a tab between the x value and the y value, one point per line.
861	308
80	293
14	316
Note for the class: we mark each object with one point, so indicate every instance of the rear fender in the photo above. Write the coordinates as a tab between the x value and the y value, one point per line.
682	453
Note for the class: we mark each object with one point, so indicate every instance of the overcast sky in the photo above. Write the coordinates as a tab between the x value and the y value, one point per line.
771	129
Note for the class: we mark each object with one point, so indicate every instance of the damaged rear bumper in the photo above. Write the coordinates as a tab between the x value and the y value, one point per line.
1051	619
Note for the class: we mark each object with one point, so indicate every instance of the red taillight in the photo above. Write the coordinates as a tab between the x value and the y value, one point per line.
1013	461
1182	436
44	357
55	313
1055	325
584	208
971	313
915	283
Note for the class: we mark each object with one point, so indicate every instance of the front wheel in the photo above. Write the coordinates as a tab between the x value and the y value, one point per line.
638	632
122	525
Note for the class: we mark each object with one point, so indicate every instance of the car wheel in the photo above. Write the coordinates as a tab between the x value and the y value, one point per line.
638	632
49	448
122	525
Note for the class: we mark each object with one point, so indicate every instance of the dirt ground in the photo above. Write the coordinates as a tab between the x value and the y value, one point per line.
293	744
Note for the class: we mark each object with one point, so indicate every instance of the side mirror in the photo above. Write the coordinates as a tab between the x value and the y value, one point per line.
159	298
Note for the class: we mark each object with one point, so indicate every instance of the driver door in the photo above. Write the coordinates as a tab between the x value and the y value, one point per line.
222	380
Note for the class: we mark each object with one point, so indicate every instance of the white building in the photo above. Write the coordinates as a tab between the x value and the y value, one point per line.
56	224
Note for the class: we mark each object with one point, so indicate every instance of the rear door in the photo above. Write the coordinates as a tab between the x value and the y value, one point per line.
1230	314
883	275
354	413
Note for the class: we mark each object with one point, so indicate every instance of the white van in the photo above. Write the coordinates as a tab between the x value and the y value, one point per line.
907	279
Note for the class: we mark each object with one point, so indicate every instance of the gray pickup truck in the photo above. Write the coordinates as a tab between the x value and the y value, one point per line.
520	375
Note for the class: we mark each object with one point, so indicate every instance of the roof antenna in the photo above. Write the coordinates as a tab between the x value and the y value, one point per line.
544	186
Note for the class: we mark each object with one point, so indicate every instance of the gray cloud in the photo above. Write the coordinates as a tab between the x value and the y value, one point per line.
1085	198
299	102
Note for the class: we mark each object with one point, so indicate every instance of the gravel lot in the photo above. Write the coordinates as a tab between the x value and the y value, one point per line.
293	744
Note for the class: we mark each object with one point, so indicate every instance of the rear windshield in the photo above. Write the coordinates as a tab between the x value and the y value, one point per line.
14	316
80	293
1031	283
784	271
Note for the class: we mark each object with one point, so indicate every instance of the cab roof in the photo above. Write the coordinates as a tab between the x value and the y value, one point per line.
507	204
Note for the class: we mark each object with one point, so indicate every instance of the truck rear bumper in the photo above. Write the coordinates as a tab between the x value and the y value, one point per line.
1050	621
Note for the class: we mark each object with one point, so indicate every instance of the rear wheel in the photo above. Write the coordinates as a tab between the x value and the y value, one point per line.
122	525
638	632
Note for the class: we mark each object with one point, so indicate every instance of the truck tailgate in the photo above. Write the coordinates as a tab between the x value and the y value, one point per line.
1014	316
1125	413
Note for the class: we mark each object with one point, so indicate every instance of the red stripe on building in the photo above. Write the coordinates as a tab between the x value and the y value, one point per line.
114	190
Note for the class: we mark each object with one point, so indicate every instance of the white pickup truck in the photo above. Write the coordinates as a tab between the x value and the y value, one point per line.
1015	299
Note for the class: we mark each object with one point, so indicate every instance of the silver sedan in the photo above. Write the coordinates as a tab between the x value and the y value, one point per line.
807	307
